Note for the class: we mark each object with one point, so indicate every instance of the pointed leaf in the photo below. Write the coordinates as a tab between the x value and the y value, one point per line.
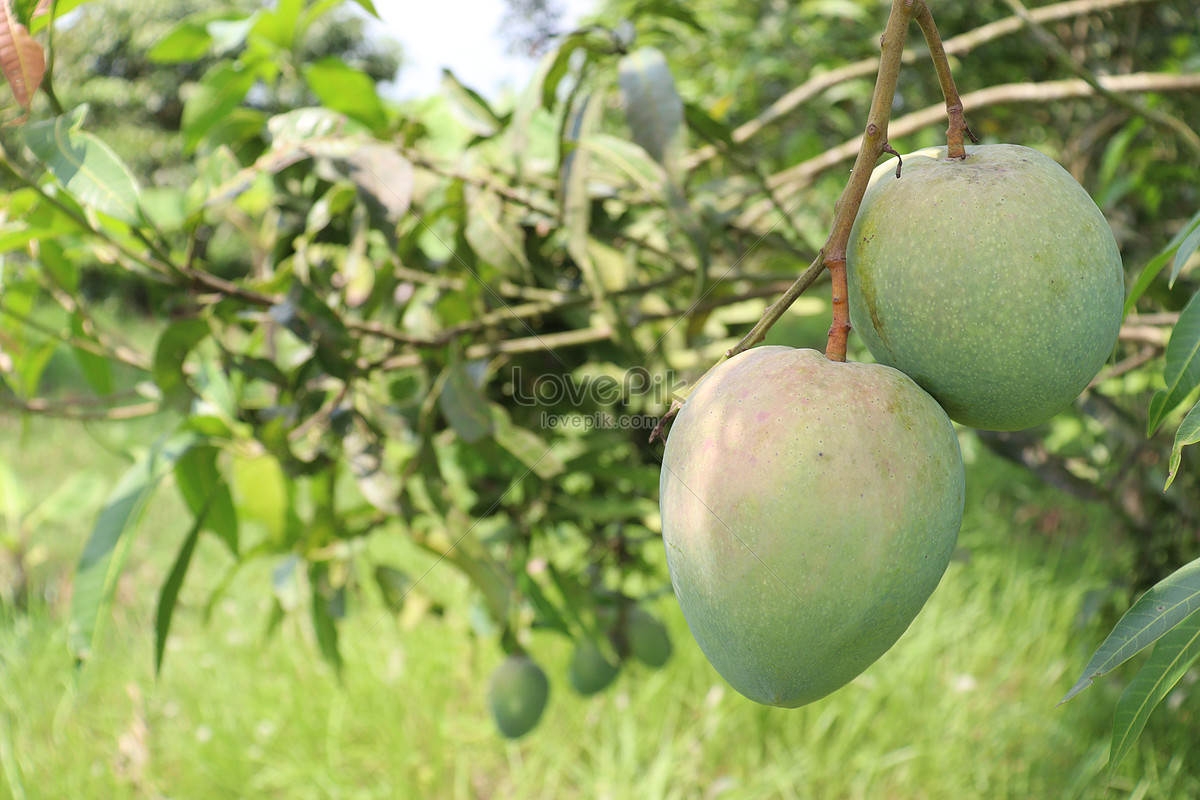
86	166
469	107
369	7
702	123
219	92
1151	270
463	404
652	105
108	547
348	90
172	350
1164	606
96	369
189	40
529	448
22	61
1182	371
324	617
1186	248
558	63
1173	656
207	494
1188	433
168	596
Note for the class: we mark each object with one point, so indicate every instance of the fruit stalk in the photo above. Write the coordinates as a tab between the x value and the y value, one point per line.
954	106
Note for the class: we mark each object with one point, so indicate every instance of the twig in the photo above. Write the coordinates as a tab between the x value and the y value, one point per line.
1147	353
1157	116
78	409
798	177
956	45
954	105
99	346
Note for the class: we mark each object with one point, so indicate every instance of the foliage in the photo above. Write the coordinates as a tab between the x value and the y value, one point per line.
452	320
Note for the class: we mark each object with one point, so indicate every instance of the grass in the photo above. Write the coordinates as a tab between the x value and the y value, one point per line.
962	707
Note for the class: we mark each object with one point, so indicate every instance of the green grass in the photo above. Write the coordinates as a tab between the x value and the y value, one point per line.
962	707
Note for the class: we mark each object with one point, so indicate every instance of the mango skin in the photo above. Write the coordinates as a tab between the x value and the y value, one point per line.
517	694
994	282
809	509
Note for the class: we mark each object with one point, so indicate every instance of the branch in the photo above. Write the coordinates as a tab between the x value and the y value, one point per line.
82	409
957	45
1157	116
954	105
801	175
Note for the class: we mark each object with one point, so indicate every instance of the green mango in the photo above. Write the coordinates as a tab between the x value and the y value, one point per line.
648	639
994	282
517	695
590	670
809	509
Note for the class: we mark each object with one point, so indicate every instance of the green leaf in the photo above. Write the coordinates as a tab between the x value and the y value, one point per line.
96	369
559	63
1164	606
325	603
464	406
529	448
219	92
1186	248
495	238
61	9
1188	433
230	34
1151	270
469	107
652	105
207	494
1182	370
379	486
626	162
715	132
108	546
1173	656
394	586
671	10
260	493
168	596
88	168
174	344
369	7
189	40
347	90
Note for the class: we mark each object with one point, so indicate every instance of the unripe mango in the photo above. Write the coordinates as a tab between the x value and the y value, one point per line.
590	670
517	695
994	282
809	509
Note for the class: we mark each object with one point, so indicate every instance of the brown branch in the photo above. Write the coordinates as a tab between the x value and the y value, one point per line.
1147	353
956	45
1157	116
82	408
800	176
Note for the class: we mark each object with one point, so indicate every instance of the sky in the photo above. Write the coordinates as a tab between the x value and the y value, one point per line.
462	35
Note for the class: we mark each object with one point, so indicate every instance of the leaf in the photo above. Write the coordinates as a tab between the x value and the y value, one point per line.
168	596
394	586
1164	606
260	493
206	493
1151	270
174	345
669	9
369	7
108	546
384	179
1182	370
495	238
464	406
1173	656
230	34
86	166
1188	433
22	61
379	486
469	107
189	40
96	369
1189	246
652	105
346	90
529	448
219	92
630	161
560	62
324	618
702	123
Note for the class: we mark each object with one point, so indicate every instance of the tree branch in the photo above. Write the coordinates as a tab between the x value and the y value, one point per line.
956	45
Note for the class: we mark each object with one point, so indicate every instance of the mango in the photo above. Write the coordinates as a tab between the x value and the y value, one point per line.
809	509
994	282
517	694
590	670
